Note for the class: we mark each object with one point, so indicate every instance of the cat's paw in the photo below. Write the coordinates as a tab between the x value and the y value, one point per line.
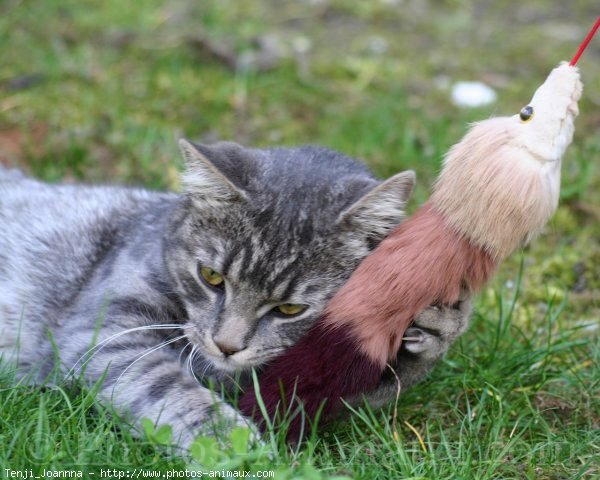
424	342
436	328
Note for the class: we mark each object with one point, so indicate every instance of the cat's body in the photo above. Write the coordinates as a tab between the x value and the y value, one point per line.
109	281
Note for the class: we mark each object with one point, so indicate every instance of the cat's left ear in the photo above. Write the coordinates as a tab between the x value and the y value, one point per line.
203	179
381	209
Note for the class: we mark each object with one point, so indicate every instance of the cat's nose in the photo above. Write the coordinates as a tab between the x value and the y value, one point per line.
228	349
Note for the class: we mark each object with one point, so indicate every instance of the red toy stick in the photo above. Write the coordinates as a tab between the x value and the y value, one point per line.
585	43
497	189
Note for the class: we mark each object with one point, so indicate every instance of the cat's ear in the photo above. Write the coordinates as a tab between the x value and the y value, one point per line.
381	209
203	179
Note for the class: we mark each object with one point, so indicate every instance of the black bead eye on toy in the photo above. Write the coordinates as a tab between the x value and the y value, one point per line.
526	114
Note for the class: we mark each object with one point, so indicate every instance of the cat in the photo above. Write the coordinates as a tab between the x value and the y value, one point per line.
159	294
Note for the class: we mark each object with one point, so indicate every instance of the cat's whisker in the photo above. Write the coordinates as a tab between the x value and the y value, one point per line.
148	352
207	365
193	356
188	344
189	361
73	371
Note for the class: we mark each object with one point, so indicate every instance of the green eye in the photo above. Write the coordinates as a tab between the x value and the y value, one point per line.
213	278
289	309
526	114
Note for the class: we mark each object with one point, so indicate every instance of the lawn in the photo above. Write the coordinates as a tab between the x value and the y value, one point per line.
99	91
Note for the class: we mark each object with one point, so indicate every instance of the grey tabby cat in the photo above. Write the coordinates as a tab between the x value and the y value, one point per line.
163	292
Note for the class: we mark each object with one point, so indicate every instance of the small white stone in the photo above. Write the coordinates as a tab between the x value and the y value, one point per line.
472	94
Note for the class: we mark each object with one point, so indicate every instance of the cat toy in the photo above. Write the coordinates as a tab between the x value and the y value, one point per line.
497	189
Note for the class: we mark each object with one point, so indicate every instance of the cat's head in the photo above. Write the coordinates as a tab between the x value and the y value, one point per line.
263	238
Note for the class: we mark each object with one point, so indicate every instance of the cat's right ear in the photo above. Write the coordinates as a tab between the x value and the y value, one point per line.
203	180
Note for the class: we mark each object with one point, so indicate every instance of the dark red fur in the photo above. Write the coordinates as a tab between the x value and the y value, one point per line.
422	262
322	364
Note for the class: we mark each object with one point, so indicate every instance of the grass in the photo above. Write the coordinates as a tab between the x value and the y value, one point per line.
99	91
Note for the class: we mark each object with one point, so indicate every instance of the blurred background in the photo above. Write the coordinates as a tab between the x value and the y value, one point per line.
99	91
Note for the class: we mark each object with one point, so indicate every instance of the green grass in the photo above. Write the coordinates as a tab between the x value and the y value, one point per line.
98	91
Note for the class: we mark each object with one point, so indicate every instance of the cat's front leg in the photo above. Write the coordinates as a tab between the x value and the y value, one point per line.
143	381
425	342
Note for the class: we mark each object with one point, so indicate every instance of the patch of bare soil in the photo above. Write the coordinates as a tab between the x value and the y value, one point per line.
17	145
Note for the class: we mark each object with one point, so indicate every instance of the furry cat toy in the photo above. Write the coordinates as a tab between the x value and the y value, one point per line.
497	189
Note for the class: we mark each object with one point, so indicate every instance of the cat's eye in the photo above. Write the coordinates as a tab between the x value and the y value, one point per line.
212	277
289	309
526	114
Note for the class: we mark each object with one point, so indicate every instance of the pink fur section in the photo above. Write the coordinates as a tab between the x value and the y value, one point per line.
422	262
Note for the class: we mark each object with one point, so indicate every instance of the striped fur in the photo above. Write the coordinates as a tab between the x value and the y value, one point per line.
111	274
